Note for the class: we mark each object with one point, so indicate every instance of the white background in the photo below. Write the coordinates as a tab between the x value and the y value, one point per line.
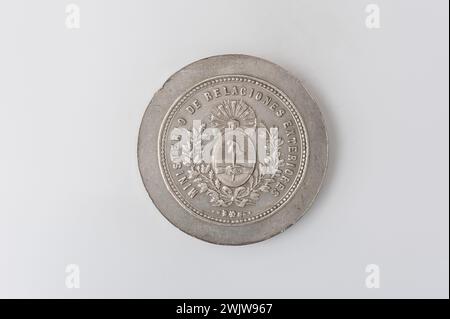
71	101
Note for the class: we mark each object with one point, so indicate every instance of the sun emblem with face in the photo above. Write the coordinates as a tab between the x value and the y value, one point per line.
234	114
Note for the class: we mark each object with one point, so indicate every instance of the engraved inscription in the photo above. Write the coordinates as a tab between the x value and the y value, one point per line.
237	177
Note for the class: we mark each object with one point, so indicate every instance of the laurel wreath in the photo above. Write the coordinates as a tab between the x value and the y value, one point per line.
204	178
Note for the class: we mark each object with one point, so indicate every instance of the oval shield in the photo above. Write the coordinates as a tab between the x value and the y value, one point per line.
233	158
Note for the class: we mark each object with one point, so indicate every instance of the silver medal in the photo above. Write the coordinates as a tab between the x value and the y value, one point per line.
232	150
